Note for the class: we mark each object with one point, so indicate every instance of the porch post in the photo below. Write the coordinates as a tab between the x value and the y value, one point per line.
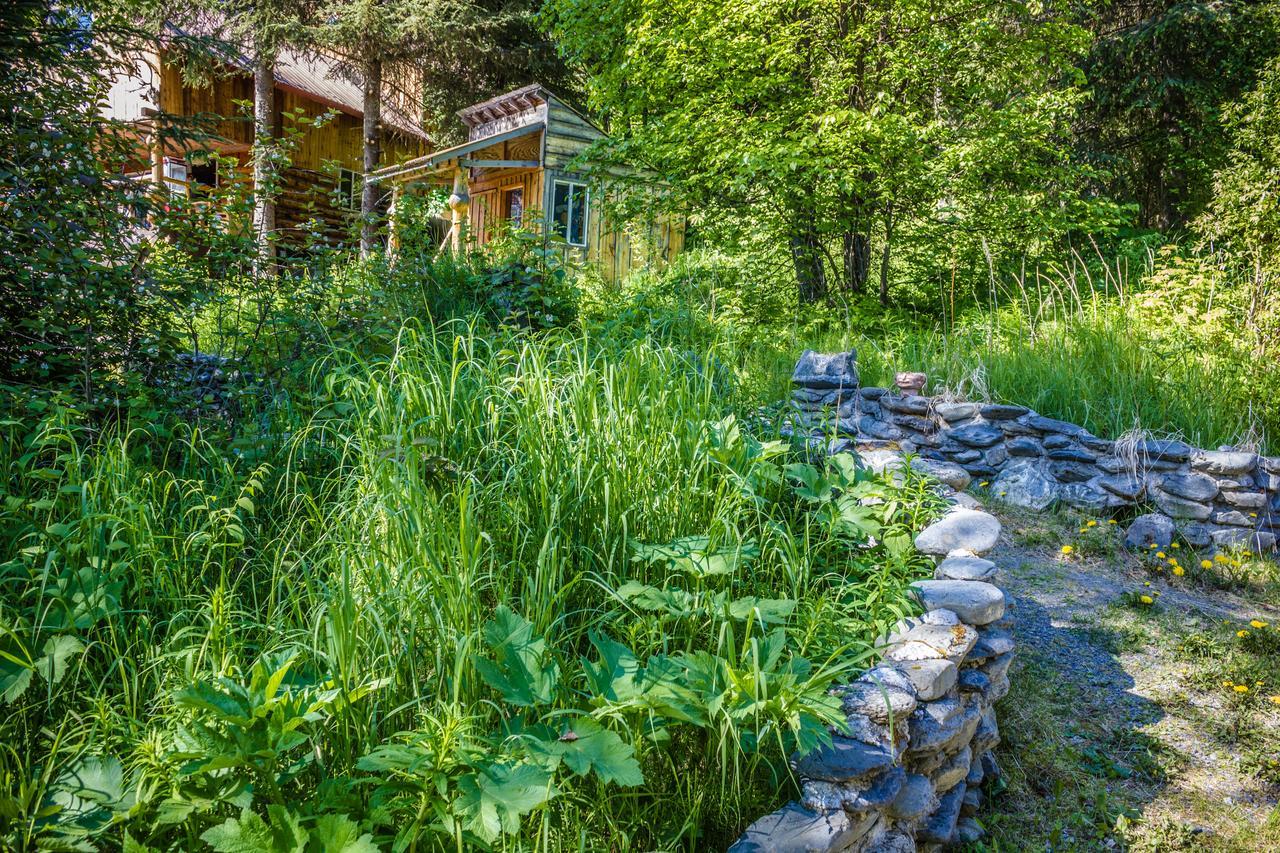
459	202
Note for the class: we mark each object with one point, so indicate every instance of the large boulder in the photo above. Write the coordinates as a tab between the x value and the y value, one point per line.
1027	483
826	370
960	529
975	602
795	829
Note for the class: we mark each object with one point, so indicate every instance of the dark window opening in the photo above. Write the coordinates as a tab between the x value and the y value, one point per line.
569	211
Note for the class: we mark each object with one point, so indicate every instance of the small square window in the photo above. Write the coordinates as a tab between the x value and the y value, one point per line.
569	203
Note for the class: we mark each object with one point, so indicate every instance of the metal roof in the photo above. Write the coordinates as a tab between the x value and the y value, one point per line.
444	155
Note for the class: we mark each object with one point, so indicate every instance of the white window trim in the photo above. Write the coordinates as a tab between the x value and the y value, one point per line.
586	209
356	199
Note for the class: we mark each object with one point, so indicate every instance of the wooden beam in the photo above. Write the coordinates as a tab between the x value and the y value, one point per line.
499	164
439	158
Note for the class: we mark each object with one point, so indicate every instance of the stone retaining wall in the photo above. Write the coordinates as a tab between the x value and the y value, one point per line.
1224	497
908	773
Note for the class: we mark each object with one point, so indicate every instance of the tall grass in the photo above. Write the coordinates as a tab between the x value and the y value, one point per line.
372	543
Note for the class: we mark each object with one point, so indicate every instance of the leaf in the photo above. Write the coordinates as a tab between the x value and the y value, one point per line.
812	486
766	610
57	651
693	554
595	748
251	834
519	672
495	797
337	833
14	681
676	602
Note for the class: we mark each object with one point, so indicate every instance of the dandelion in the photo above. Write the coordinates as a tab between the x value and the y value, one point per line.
1241	688
1242	633
1153	546
1220	559
1146	583
1205	564
1253	515
1067	549
1275	700
1160	554
1146	599
1257	623
1002	494
1179	571
1174	545
1228	683
1092	523
983	484
1112	521
1082	530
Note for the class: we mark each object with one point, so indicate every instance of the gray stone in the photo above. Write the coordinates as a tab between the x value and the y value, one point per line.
974	681
870	392
915	423
961	528
879	693
1073	454
974	779
1097	445
977	435
990	767
1160	450
915	799
795	829
932	678
996	456
1232	517
1056	441
965	568
942	726
1245	500
952	773
845	760
1147	529
1018	426
985	472
1001	412
1023	446
1026	484
964	456
975	602
1042	424
813	396
940	827
999	690
1085	496
998	666
876	793
868	425
987	735
1196	534
1220	462
912	405
951	412
1192	487
966	500
893	841
1113	465
992	642
1237	537
932	642
969	831
1073	472
826	370
972	799
953	475
1122	485
1180	508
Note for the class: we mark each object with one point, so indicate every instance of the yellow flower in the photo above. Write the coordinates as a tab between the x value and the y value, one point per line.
1257	623
1253	515
1174	545
984	484
1205	564
1092	523
1242	633
1160	554
1152	546
1241	688
1220	559
1082	530
1067	549
1002	494
1112	521
1228	683
1275	700
1146	599
1179	571
1235	563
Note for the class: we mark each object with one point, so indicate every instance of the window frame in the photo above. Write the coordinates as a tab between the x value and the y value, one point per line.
351	201
569	215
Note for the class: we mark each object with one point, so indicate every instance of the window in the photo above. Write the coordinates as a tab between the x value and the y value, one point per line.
175	176
515	205
350	188
205	174
569	211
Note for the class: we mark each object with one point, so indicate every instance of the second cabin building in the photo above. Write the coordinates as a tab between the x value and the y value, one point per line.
521	165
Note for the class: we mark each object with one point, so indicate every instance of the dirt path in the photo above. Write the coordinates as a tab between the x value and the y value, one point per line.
1120	731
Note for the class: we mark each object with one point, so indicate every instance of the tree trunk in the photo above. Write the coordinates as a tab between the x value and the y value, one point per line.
372	155
264	206
806	255
857	260
884	254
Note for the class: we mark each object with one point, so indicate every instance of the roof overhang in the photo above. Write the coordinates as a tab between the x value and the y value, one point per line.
450	157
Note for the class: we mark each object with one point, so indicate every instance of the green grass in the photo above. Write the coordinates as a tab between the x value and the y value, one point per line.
298	619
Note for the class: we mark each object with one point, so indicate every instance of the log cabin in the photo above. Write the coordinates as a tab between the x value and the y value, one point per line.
525	162
180	123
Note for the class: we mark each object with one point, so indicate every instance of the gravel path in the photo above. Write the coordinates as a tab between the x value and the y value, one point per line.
1124	682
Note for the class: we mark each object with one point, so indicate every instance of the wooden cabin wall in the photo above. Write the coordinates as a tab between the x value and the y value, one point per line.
488	209
568	135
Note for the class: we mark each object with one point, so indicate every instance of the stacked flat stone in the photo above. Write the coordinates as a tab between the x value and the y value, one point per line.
1212	498
907	772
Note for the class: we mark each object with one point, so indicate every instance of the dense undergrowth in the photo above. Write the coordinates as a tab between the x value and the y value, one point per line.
490	583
